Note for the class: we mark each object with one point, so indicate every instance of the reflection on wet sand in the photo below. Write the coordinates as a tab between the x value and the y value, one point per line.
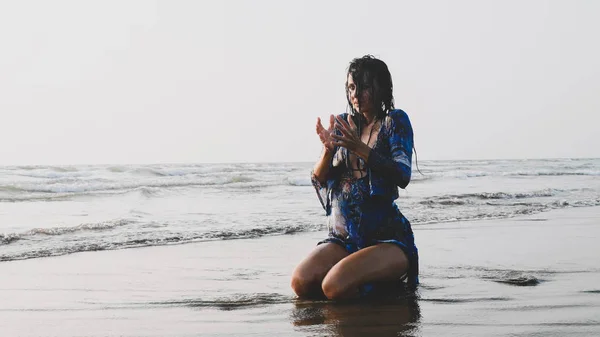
396	317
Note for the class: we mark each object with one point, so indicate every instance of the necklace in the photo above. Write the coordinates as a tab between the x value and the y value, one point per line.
360	163
371	131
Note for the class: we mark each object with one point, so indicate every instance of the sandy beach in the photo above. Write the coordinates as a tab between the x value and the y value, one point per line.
534	275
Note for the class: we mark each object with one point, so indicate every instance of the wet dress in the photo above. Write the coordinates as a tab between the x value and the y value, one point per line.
361	212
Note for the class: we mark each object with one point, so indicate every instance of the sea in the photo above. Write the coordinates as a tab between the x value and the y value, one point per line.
58	210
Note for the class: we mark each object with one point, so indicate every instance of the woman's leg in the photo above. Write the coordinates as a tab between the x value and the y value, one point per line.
382	262
309	274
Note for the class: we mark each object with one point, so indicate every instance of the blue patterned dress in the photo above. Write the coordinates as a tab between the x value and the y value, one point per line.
361	212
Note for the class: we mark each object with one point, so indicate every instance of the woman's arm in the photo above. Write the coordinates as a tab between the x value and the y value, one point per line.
321	168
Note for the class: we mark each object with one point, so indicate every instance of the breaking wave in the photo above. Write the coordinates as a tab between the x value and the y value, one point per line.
134	240
6	238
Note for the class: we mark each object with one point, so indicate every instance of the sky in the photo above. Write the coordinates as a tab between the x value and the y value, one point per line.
135	82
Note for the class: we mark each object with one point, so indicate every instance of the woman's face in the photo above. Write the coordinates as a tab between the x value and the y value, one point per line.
364	99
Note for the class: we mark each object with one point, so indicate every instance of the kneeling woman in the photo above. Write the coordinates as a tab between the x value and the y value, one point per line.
366	157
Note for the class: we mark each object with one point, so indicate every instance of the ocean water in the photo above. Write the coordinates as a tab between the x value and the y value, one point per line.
58	210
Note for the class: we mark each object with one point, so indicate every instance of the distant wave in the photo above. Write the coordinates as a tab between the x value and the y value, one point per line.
465	174
143	172
26	198
55	174
89	244
557	173
419	178
52	168
504	195
97	186
299	181
6	238
117	169
10	189
200	170
462	174
452	210
51	191
461	199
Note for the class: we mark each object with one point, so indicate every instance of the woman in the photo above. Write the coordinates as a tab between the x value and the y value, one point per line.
366	157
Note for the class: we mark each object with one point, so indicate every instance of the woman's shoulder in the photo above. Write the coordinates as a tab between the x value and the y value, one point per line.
397	117
398	114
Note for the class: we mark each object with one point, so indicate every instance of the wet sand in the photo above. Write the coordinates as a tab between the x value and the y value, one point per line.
530	276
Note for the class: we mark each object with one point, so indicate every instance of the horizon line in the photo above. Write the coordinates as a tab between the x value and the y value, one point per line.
282	162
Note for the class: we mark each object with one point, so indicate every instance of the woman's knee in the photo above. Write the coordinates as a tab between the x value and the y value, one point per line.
332	289
336	287
305	284
308	275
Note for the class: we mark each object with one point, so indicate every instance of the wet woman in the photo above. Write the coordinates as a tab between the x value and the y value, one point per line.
366	156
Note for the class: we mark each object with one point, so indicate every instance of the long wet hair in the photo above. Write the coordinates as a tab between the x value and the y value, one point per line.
371	76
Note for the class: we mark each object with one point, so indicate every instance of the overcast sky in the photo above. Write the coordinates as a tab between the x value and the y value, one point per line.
91	82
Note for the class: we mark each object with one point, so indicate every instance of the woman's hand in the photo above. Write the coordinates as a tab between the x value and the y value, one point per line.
326	134
350	138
